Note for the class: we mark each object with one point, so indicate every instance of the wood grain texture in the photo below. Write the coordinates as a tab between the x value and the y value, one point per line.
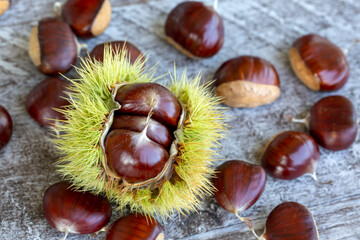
261	28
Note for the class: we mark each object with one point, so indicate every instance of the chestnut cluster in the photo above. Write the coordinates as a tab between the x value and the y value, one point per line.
79	212
138	144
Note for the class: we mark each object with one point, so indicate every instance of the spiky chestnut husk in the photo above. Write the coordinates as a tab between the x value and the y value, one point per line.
91	101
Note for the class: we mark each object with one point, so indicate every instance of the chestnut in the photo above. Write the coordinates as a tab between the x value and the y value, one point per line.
133	53
290	155
4	5
247	81
87	18
53	46
319	63
6	127
76	212
290	220
333	122
195	29
135	227
44	98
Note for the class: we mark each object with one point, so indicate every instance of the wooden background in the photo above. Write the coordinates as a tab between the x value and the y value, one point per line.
263	28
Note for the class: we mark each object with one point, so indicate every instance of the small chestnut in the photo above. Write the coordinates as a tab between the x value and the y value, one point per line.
6	127
319	63
44	98
53	47
87	18
333	122
133	53
195	29
290	155
247	81
290	221
70	211
4	5
135	227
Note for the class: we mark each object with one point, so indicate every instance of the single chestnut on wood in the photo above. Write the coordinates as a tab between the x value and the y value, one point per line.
87	18
333	122
133	53
238	186
70	211
247	81
135	227
290	155
44	98
137	146
53	47
290	221
6	127
4	5
319	63
195	29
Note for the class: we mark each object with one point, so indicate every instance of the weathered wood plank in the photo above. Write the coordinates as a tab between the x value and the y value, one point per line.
252	27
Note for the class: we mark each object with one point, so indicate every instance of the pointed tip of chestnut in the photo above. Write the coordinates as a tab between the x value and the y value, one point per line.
87	18
239	185
333	122
135	227
70	211
319	63
290	155
290	220
45	98
247	81
4	6
133	53
6	127
199	23
53	46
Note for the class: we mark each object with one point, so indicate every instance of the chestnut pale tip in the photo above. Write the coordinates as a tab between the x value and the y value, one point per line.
4	5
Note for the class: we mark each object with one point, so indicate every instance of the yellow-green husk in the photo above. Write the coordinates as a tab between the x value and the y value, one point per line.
90	103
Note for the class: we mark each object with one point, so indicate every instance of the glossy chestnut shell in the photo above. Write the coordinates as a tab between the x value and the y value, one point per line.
137	147
290	155
53	46
87	18
319	63
333	122
75	212
239	185
4	6
44	98
6	127
135	227
290	221
133	52
247	81
195	29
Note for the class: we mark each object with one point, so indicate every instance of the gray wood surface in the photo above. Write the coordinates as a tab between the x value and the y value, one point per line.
263	28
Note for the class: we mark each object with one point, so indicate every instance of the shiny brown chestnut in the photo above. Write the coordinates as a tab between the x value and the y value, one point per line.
53	47
290	221
195	29
319	63
141	98
290	155
87	18
6	127
135	227
156	131
44	98
4	6
333	122
133	53
247	81
238	186
70	211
